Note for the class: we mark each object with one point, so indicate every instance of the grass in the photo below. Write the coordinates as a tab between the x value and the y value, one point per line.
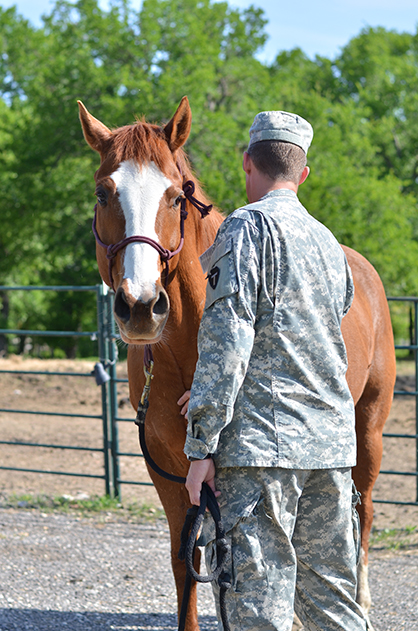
394	538
107	509
101	506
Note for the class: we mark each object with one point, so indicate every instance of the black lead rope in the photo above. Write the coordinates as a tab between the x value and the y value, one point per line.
192	525
189	535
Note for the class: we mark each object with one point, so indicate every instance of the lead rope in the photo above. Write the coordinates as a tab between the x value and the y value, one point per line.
194	517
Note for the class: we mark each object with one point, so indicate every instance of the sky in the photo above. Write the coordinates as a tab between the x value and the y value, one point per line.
318	27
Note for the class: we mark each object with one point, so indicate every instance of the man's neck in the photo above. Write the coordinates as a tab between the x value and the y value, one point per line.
264	186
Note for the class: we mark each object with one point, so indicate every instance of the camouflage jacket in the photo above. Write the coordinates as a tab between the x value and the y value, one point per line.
270	387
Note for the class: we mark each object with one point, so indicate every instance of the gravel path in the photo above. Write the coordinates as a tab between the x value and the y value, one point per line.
58	572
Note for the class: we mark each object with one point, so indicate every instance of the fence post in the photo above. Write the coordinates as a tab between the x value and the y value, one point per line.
113	357
103	357
416	389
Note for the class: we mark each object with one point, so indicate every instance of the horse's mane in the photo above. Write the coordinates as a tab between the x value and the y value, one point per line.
142	142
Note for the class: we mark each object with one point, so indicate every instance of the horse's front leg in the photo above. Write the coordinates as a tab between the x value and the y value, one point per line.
175	501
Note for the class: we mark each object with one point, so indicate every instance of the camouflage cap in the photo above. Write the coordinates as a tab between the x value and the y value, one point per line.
281	126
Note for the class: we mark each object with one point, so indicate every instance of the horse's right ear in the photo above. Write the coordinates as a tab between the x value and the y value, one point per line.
96	134
178	129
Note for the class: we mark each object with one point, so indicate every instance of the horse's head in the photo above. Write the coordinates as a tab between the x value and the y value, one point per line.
139	193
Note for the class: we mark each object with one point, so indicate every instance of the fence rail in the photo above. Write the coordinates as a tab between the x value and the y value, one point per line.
106	337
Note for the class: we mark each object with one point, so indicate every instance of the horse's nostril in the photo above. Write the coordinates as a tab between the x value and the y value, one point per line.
161	305
121	307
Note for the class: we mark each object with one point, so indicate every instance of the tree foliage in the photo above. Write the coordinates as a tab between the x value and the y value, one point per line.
124	64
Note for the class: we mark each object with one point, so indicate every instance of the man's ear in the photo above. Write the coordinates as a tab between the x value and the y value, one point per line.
304	175
247	163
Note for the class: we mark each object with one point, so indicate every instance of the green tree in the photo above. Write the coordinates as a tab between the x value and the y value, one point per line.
123	63
109	60
380	73
366	205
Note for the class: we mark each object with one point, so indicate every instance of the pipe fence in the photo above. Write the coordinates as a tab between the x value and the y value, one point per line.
106	338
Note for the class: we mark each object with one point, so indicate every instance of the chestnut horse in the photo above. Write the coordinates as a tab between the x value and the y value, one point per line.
139	189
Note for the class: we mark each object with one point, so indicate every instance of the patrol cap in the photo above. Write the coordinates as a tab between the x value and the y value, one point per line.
281	126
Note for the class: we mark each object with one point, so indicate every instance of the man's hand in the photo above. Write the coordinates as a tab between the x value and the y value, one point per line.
200	471
184	401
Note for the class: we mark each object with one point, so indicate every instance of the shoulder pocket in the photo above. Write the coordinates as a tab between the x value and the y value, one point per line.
221	273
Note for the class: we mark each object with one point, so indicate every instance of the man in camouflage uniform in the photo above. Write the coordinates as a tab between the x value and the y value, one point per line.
270	409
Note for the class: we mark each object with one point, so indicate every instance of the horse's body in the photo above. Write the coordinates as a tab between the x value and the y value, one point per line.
139	186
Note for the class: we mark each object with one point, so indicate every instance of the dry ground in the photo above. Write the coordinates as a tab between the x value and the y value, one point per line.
80	395
67	394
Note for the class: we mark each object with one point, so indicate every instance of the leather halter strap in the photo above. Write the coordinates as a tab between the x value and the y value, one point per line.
165	254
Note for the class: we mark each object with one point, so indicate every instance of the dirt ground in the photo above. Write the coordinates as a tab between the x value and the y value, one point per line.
63	394
80	395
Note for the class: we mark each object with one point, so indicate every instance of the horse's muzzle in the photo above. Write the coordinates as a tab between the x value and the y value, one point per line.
141	320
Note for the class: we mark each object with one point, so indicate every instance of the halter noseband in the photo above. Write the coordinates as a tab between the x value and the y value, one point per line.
165	255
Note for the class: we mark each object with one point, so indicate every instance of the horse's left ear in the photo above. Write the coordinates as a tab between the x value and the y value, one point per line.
96	134
178	129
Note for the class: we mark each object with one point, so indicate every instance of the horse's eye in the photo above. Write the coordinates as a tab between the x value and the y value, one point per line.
101	195
178	200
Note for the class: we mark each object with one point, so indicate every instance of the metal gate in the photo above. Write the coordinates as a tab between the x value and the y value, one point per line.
106	337
105	344
412	348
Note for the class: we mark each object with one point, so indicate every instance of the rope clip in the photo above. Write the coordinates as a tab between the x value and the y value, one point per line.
148	377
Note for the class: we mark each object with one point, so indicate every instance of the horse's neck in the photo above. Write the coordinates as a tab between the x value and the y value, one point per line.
187	292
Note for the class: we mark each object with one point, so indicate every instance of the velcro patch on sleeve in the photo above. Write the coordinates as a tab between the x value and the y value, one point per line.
222	274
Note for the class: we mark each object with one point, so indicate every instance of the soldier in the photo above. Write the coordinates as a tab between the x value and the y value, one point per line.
270	417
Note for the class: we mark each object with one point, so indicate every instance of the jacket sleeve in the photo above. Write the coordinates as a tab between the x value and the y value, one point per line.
226	334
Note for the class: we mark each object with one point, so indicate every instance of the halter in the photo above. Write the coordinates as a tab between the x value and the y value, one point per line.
165	254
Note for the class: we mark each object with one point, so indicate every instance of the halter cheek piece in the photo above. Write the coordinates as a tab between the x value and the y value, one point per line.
165	255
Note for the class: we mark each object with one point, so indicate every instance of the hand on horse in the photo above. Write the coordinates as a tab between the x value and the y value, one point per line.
200	471
184	401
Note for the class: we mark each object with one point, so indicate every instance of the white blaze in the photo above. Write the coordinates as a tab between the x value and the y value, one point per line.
140	191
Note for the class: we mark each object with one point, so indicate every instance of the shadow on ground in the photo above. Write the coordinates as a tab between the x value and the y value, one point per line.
38	620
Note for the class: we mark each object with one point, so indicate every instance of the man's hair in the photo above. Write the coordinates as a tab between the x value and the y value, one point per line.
278	160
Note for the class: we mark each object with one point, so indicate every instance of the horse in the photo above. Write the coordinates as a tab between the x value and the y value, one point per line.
149	254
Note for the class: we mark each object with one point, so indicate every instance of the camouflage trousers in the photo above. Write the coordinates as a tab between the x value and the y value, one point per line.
294	538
